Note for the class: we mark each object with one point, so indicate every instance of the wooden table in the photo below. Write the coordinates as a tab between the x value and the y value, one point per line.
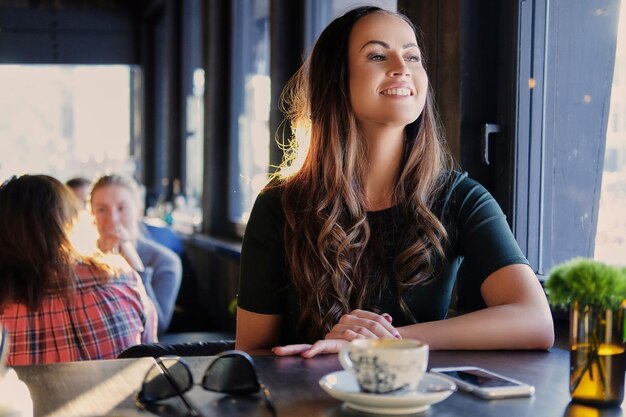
99	388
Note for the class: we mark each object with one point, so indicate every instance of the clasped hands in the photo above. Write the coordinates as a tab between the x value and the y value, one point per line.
358	324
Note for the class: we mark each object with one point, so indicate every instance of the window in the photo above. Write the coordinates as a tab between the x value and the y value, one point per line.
187	215
66	120
566	56
540	69
250	89
194	144
251	92
321	12
611	231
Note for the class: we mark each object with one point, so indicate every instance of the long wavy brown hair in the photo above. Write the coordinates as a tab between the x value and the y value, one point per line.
37	257
329	254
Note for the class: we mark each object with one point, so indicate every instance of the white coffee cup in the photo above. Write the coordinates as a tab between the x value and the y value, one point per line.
382	366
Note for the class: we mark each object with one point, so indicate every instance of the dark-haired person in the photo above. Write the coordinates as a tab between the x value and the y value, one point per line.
365	239
117	208
81	187
58	301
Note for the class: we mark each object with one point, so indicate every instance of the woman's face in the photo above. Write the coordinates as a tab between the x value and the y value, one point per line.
112	206
388	83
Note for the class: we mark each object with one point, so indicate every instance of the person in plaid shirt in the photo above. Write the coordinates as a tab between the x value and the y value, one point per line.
57	304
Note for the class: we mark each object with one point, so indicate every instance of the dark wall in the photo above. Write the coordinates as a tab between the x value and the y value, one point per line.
209	294
68	33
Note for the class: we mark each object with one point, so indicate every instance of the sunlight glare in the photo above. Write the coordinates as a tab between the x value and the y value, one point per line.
110	393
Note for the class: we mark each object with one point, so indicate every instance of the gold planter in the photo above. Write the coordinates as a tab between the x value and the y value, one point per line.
597	358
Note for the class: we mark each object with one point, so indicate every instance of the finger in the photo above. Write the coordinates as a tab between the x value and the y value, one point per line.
376	323
120	237
129	252
380	327
291	349
366	328
387	317
324	346
350	333
111	235
122	232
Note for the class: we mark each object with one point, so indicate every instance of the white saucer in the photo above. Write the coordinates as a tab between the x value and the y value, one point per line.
342	385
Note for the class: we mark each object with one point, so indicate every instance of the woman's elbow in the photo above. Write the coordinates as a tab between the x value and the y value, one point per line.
545	340
543	332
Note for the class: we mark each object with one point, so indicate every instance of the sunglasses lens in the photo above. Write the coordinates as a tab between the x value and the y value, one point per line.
231	374
161	379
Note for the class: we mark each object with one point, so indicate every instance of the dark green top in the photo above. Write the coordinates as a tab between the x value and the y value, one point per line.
479	237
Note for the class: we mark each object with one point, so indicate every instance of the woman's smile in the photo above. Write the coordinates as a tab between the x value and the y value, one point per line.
397	92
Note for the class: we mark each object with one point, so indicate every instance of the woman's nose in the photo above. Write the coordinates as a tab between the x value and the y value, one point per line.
398	67
110	217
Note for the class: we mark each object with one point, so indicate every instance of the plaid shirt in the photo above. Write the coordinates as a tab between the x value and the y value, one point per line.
99	322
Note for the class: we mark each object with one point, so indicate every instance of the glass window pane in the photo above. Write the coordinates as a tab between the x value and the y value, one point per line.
611	233
321	12
194	143
250	144
187	215
65	120
249	164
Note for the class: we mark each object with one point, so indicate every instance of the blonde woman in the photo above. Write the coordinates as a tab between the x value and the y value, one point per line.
116	206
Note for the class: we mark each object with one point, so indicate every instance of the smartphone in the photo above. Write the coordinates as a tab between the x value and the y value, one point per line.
484	383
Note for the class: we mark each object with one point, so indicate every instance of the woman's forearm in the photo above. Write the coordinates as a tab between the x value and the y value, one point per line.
509	326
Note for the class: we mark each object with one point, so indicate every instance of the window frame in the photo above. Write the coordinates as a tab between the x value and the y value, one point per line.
538	40
560	157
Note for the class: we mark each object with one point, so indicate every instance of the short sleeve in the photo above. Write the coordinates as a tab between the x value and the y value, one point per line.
483	237
262	282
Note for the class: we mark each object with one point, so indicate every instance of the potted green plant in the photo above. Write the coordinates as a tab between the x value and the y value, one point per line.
595	294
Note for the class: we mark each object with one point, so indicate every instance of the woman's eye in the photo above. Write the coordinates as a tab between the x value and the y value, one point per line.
413	58
376	57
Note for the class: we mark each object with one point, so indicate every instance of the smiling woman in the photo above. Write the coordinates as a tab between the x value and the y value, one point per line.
365	239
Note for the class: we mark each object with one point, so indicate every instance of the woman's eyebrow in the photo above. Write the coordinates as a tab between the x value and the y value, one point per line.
387	46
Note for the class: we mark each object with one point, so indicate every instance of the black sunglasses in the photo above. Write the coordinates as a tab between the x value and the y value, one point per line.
232	372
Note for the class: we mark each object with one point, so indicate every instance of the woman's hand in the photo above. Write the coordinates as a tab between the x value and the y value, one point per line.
362	324
129	252
112	240
118	239
308	351
358	324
